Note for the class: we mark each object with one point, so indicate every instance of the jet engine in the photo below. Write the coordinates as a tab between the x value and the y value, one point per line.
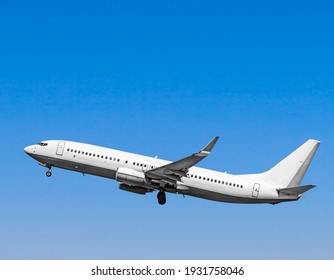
130	176
134	189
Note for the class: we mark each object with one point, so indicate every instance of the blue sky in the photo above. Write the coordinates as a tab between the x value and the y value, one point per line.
163	78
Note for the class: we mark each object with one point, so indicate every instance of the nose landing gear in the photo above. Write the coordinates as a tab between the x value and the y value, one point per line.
161	197
49	172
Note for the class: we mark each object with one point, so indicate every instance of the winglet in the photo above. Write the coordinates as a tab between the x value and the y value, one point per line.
207	149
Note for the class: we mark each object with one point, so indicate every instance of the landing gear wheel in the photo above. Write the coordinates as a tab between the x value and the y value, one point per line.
161	197
48	173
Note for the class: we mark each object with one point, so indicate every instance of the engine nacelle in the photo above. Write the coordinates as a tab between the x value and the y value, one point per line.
130	176
134	189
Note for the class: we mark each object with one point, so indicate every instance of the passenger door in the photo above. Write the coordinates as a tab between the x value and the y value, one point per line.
60	148
256	190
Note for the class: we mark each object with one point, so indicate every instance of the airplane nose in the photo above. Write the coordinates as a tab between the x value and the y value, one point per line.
28	150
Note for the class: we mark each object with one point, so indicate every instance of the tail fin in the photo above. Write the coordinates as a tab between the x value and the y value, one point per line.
289	172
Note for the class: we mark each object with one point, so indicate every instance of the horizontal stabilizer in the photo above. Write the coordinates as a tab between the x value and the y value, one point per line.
295	190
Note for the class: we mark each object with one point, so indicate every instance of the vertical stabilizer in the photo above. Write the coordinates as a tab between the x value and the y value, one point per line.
290	171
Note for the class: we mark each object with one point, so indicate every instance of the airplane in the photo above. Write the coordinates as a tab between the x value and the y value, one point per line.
141	174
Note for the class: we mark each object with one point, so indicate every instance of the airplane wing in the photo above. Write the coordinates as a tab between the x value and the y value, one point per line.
172	172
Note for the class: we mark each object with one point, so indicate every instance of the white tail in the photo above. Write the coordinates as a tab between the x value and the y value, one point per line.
289	172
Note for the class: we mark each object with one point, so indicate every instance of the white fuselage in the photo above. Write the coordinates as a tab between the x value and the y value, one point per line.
199	182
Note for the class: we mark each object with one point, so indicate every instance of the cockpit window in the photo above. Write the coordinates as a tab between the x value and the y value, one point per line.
42	144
